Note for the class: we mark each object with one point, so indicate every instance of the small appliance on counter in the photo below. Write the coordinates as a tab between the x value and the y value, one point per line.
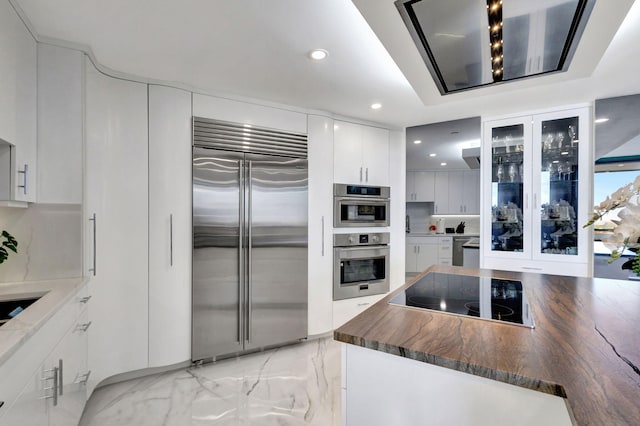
440	225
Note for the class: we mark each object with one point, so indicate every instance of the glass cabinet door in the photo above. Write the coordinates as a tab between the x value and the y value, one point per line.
558	190
507	183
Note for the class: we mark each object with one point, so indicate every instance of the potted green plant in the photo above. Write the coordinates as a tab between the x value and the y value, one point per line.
8	242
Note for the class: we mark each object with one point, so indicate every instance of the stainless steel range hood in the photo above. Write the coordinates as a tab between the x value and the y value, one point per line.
471	156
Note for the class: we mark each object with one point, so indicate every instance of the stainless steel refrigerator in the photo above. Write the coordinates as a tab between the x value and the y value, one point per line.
249	251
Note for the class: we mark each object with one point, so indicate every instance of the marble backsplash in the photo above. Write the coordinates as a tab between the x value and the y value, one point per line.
49	242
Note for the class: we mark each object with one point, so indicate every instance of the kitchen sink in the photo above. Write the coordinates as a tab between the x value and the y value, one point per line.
11	308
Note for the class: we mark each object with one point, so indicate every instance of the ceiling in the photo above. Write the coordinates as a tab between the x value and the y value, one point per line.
258	49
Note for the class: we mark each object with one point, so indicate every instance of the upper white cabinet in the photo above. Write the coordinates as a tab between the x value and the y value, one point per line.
441	205
421	186
320	265
60	124
116	218
535	204
360	154
169	226
464	192
18	91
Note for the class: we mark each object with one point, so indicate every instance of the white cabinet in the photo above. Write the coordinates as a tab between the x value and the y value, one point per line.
18	91
347	309
55	355
464	190
421	186
169	226
441	205
116	218
535	204
60	124
360	154
320	260
423	252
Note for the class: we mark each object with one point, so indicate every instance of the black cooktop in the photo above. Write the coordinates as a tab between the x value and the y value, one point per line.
480	297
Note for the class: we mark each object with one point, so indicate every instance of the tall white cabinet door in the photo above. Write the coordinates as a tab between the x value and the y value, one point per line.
116	241
347	153
30	408
375	155
60	126
169	226
320	265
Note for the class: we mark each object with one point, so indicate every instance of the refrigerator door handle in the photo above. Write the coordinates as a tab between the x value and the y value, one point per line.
249	246
240	248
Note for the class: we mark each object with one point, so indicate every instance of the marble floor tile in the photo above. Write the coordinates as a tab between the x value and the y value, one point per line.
293	385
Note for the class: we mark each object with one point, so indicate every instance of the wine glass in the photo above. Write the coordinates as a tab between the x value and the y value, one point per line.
561	170
548	141
550	168
567	169
560	139
512	172
500	172
572	135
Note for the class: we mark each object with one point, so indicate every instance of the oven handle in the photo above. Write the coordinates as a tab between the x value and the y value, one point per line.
376	201
368	251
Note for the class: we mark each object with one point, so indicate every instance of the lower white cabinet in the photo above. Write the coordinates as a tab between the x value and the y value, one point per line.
116	224
48	374
347	309
422	252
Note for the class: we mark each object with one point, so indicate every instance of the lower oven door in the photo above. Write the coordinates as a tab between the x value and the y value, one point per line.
360	271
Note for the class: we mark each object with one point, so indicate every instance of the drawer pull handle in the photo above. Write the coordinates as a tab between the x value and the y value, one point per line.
531	268
83	327
85	299
364	304
82	379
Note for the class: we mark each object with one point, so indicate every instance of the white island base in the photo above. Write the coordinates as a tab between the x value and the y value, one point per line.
388	390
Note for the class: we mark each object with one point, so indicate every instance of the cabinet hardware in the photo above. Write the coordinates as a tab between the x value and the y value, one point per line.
360	174
367	174
94	220
531	268
60	376
83	327
85	299
171	240
322	236
364	304
25	173
1	404
54	387
82	379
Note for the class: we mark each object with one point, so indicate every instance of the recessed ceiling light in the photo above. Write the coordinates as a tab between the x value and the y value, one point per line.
376	105
601	120
417	142
443	164
318	54
433	154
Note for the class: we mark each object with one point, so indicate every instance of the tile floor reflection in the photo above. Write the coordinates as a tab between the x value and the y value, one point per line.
294	385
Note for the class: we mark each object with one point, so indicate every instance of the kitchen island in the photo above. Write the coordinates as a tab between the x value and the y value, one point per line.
583	351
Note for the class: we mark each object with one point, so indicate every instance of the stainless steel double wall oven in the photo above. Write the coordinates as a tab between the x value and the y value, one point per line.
361	259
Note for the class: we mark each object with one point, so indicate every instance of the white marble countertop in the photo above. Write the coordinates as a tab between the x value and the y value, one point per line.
54	294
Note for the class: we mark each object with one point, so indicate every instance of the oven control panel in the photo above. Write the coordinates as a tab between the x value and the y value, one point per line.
350	240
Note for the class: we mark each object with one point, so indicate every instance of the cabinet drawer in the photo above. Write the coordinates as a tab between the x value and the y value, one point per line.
445	241
447	262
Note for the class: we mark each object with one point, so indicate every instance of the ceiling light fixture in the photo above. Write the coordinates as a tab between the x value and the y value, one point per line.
376	105
318	54
433	154
443	164
601	120
417	142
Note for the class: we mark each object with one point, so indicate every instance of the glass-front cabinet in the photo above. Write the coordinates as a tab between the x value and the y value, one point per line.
537	193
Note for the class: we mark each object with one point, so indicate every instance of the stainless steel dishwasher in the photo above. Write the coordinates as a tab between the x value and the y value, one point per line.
458	252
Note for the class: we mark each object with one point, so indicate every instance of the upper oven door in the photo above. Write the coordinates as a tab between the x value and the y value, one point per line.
349	212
